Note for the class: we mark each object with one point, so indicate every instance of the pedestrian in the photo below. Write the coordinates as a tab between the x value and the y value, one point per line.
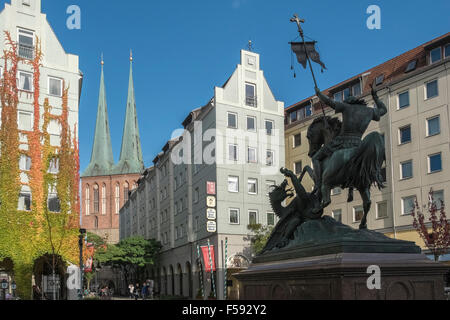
131	290
137	291
144	291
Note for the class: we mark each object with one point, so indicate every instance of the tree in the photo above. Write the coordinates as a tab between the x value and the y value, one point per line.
94	243
438	239
130	255
260	236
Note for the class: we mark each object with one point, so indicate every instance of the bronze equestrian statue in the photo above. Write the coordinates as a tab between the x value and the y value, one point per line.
347	161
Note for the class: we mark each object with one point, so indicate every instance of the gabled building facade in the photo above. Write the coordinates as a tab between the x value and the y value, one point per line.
105	186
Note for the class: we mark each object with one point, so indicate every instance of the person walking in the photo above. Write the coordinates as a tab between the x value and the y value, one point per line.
136	291
131	291
144	290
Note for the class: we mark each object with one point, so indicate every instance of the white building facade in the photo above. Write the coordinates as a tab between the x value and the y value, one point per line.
236	145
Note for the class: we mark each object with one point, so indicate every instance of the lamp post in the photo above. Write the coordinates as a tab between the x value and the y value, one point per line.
4	288
80	244
14	287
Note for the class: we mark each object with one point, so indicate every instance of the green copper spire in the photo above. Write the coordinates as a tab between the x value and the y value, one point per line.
131	154
102	159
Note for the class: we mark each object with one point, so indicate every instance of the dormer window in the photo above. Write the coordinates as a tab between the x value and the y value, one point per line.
411	66
447	50
435	55
379	80
26	44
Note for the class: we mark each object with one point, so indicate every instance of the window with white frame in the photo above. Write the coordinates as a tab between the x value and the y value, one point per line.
403	100
26	43
408	205
233	184
358	213
404	134
337	215
252	217
24	199
435	163
233	152
251	124
233	216
435	55
252	186
431	89
406	170
382	210
25	121
433	126
24	163
252	155
297	140
438	199
25	81
270	158
53	202
270	126
336	191
232	120
55	86
53	167
269	185
270	219
250	95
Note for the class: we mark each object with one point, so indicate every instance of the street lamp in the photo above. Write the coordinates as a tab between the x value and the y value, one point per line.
80	244
4	288
13	288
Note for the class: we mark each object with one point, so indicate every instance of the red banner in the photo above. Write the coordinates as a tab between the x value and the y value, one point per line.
206	260
211	188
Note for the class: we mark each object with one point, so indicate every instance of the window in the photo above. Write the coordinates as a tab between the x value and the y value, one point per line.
250	95
408	205
356	89
270	158
251	124
232	120
336	191
176	233
26	44
252	186
304	112
55	87
379	80
383	174
338	97
269	184
447	51
233	152
196	195
53	167
435	55
406	170
435	163
53	202
293	116
252	217
196	224
438	197
297	139
24	201
403	100
431	89
25	163
346	93
96	199
337	215
252	155
270	219
411	66
25	81
269	127
117	198
433	126
25	121
126	191
88	200
96	223
405	134
358	213
298	168
104	199
233	216
382	210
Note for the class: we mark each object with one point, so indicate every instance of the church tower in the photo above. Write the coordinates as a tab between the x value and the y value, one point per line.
106	186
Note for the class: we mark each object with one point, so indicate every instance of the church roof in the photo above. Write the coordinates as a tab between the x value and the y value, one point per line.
102	160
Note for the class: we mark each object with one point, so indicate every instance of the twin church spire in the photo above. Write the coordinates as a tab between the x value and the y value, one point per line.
131	160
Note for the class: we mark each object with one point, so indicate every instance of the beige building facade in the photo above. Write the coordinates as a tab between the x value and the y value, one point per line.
415	88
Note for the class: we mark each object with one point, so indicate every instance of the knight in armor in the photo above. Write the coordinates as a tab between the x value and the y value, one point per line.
356	119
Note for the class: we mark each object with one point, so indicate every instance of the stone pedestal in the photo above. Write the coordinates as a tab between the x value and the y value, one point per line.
330	261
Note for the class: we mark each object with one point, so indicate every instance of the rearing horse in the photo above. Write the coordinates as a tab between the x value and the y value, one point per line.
358	168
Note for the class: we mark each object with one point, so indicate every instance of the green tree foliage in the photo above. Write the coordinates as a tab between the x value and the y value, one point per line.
259	237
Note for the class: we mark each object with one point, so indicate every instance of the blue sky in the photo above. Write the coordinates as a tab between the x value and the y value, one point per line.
182	49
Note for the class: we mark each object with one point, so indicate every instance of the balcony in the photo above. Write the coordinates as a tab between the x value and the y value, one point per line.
251	101
26	52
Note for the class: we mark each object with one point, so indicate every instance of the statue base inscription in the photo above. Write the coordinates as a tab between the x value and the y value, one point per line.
330	261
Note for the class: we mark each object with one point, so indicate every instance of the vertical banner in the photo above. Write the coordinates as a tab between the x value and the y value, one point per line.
211	188
206	259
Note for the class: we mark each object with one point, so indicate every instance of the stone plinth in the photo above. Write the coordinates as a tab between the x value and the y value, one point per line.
330	261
